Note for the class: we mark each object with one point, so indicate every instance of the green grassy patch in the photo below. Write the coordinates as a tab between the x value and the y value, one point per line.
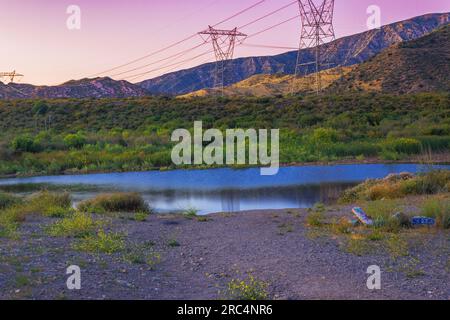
248	289
78	225
115	202
102	242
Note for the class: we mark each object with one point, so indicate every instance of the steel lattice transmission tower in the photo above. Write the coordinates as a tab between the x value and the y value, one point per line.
224	42
11	75
317	29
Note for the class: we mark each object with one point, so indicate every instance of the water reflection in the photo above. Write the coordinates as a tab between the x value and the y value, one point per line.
228	190
233	200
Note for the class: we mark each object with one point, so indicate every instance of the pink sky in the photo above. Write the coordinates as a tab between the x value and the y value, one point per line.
37	43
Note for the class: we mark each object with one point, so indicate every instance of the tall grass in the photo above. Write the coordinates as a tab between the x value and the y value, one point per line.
438	209
102	242
115	202
43	203
8	200
432	182
78	225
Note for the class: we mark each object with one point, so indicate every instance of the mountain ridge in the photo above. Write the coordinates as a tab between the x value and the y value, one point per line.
358	48
102	87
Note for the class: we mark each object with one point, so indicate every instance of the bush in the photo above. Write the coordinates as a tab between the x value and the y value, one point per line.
398	186
49	204
438	209
75	141
8	200
116	202
43	203
403	145
24	143
78	225
249	289
102	242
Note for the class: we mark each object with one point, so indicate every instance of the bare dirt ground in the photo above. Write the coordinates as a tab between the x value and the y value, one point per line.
199	258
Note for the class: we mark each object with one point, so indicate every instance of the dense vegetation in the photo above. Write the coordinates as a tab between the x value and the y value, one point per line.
55	136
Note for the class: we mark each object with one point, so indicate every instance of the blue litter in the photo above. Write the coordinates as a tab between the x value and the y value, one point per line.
423	221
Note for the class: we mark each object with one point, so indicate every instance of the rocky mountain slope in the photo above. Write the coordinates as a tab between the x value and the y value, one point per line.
420	65
85	88
416	66
344	51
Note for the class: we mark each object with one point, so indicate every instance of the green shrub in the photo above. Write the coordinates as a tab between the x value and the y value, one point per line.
115	202
438	209
432	182
190	213
49	204
78	225
249	289
404	145
8	200
108	243
315	219
24	143
75	141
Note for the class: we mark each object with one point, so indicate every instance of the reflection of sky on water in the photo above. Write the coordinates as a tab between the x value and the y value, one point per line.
250	199
225	190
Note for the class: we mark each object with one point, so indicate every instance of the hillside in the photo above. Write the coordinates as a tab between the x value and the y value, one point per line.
263	85
421	65
134	134
345	51
84	88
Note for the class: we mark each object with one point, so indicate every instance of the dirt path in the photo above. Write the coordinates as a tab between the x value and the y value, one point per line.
199	258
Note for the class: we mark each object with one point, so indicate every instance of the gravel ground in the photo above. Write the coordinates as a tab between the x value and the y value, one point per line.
199	258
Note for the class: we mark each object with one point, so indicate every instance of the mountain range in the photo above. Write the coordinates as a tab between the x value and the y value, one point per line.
345	51
348	51
421	65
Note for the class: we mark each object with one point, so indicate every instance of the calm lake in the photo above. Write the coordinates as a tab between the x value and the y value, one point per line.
228	190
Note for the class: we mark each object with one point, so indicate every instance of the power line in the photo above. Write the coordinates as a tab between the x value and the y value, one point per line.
211	51
176	43
272	27
268	15
170	65
180	54
148	55
267	46
239	13
161	60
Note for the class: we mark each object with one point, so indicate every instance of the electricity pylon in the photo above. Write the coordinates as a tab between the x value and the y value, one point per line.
317	29
224	42
10	75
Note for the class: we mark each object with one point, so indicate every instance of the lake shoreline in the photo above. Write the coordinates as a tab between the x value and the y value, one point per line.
435	159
